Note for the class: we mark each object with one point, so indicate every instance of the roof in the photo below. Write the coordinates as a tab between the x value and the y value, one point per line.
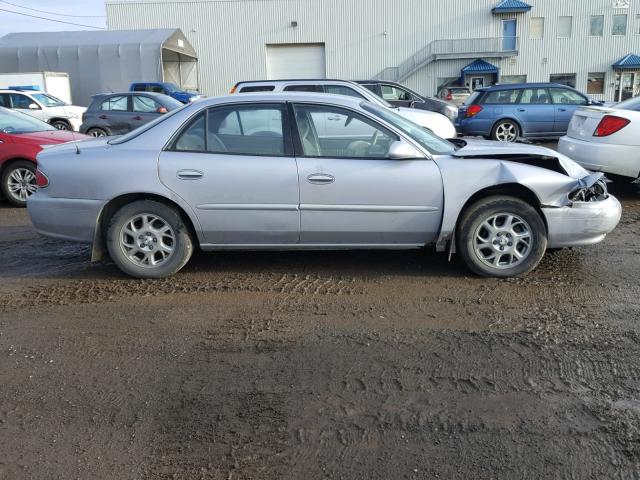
511	86
511	6
85	37
480	66
627	62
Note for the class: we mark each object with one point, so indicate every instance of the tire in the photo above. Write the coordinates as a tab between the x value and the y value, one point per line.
97	132
147	220
61	125
18	182
620	178
506	131
486	220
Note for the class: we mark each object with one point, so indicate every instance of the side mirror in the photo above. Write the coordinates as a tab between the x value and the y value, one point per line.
33	106
162	110
400	150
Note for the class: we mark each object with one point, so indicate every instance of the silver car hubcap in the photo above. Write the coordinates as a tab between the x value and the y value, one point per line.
147	240
506	132
22	183
503	241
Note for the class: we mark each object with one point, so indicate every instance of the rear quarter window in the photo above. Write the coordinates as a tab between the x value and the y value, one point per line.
257	88
472	98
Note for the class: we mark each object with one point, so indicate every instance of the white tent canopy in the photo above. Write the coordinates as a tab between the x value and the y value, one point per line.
105	61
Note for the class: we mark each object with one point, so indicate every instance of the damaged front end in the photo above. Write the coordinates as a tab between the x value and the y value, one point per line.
591	188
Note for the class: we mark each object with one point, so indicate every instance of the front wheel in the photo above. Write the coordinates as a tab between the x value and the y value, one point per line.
506	131
501	237
97	132
61	125
148	239
19	182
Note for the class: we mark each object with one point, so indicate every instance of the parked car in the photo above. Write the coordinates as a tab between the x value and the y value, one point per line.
295	171
166	88
401	96
21	138
455	95
435	122
118	113
44	107
606	139
526	110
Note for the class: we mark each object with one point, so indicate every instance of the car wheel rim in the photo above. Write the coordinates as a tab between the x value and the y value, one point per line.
503	241
97	133
21	184
507	132
147	240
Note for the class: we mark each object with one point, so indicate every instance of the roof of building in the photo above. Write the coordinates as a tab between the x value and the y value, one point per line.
511	6
627	62
480	66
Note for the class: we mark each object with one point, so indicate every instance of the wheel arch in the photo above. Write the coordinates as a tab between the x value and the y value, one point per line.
12	160
99	249
52	120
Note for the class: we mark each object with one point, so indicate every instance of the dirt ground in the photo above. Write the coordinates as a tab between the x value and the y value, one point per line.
368	365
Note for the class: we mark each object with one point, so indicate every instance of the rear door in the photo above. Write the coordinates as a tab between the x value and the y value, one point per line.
351	193
234	165
115	115
566	102
144	109
535	111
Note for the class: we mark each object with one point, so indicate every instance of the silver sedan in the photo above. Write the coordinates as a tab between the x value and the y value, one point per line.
308	171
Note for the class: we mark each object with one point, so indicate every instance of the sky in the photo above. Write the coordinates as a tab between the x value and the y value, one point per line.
61	10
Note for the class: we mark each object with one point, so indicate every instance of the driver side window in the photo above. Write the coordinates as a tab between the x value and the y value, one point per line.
389	92
333	132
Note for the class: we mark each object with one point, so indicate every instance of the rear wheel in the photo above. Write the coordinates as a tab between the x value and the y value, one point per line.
501	237
148	239
506	131
97	132
61	125
19	182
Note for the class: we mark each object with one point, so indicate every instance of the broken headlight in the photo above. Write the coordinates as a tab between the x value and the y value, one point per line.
595	193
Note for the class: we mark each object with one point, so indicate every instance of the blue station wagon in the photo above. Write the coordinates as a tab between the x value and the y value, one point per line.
511	111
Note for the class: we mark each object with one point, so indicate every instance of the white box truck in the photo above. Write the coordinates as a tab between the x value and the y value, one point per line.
54	83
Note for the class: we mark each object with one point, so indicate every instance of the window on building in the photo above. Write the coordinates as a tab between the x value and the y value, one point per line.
596	25
565	25
563	79
536	27
619	25
637	28
595	83
513	79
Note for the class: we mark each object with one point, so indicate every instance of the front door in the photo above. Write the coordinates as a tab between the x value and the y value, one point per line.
144	109
566	102
235	166
509	29
477	82
535	112
625	85
351	193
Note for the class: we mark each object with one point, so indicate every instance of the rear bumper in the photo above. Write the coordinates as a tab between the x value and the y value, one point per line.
602	157
64	218
583	223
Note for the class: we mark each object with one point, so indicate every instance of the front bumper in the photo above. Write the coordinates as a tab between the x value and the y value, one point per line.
583	223
64	218
602	157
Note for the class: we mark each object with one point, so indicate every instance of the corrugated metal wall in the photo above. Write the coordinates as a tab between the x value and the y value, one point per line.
362	37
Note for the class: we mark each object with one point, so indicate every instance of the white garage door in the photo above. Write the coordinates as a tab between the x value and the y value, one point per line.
299	60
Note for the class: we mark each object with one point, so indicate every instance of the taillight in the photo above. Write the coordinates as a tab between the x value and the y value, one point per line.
473	110
41	179
449	96
609	125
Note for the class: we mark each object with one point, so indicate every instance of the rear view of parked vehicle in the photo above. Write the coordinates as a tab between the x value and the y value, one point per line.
527	110
606	139
118	113
308	171
21	138
455	95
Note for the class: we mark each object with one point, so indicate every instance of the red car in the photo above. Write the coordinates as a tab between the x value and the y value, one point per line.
21	138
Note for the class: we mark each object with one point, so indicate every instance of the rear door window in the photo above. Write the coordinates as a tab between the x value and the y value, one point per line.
535	96
115	104
143	104
502	97
342	90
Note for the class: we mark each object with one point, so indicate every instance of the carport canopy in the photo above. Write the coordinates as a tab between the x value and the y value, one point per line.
479	66
511	6
628	62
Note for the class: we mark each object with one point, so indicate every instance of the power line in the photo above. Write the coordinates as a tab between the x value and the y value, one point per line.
52	13
50	19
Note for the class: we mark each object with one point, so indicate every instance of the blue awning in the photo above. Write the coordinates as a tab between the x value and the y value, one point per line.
628	62
511	6
479	66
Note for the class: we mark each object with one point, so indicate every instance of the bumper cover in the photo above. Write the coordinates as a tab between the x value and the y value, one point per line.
602	157
64	218
583	223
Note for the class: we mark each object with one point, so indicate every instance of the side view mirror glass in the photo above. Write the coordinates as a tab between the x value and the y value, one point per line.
400	150
33	106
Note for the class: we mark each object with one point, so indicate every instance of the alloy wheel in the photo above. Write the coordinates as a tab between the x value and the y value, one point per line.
147	240
503	241
506	132
21	184
96	132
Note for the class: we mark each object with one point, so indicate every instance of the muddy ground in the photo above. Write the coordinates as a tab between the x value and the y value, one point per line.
369	365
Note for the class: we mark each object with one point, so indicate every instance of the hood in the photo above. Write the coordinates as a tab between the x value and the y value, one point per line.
68	110
522	153
47	137
416	112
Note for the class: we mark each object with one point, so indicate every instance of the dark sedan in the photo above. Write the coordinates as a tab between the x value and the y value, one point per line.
401	96
119	113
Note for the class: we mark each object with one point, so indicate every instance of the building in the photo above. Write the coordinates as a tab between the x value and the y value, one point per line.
106	61
590	44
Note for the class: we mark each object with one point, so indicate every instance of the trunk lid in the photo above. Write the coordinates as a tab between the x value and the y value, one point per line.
585	121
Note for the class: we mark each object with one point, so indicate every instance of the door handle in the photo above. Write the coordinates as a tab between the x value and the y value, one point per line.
137	117
334	117
190	174
102	117
562	109
321	179
522	109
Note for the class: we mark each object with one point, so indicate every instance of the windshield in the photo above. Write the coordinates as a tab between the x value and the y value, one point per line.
428	140
134	133
17	122
48	100
631	104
